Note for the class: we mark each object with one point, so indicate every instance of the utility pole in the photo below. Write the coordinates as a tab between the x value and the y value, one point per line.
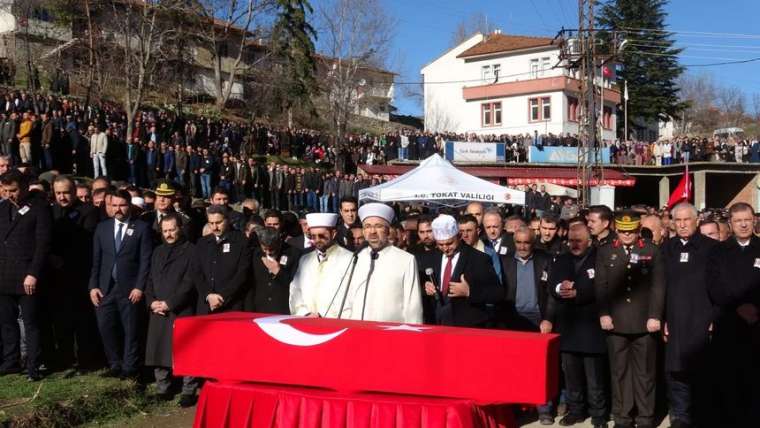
579	54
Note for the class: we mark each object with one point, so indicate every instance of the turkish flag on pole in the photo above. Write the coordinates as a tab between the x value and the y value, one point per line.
682	192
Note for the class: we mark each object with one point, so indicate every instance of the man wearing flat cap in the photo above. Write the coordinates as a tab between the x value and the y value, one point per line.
630	289
384	284
318	286
462	281
165	194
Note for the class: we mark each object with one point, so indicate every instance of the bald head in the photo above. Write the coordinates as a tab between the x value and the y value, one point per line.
653	223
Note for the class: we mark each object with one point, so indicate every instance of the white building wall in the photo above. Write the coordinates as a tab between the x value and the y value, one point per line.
443	102
447	110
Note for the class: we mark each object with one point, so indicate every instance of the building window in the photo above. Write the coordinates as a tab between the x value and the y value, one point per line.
607	118
534	68
545	65
535	110
572	109
540	109
491	114
485	72
496	70
546	108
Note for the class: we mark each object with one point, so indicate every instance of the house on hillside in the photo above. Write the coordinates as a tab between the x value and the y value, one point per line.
508	84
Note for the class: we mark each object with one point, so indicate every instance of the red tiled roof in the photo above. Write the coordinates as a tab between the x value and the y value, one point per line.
495	43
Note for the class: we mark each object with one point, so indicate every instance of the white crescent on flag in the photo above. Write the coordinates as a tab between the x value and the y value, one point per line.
290	335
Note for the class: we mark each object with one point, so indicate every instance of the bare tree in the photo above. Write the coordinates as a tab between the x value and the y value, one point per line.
700	92
732	102
144	40
476	23
355	35
437	119
226	29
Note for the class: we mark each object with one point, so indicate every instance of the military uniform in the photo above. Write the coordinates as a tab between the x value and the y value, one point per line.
630	288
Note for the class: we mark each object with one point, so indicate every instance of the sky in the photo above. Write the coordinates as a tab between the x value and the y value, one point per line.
709	31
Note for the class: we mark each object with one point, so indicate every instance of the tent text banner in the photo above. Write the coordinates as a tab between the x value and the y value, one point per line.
461	151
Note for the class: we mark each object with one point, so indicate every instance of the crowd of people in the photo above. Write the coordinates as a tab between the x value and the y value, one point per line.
64	134
96	273
93	272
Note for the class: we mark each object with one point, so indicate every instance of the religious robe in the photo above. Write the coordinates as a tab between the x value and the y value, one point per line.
393	293
316	287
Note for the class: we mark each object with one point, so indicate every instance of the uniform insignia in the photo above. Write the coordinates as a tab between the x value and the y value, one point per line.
685	258
590	273
634	258
544	276
613	257
23	210
283	260
226	247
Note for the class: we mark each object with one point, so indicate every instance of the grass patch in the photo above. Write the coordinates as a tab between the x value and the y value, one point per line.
64	402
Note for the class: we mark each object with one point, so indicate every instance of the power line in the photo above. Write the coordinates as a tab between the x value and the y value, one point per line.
540	16
695	33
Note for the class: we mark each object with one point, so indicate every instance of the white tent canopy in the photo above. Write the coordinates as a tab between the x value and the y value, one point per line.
437	180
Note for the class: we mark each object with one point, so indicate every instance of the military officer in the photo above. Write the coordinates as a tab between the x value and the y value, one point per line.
630	288
165	195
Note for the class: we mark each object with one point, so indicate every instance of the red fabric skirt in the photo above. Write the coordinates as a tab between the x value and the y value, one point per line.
262	405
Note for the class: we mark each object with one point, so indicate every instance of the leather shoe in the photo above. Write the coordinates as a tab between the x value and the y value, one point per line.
164	396
186	400
34	377
111	373
561	409
129	376
570	420
546	419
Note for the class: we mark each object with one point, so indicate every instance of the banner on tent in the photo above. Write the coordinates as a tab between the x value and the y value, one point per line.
462	151
561	155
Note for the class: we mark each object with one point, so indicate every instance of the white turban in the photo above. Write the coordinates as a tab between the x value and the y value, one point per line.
321	220
375	209
444	227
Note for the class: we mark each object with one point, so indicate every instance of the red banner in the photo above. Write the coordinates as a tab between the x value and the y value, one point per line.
487	366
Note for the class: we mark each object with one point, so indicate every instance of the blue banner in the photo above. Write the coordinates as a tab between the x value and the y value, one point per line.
561	155
462	151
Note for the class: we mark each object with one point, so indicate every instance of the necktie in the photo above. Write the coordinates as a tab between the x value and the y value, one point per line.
446	277
321	256
117	238
117	245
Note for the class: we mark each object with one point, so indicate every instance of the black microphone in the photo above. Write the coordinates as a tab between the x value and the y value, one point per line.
429	272
373	255
354	259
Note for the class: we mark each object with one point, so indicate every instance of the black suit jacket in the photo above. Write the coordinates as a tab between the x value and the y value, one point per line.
132	260
541	265
484	288
222	268
71	254
577	319
506	246
271	293
25	242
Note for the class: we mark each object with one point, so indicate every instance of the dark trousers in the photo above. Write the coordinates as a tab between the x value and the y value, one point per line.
74	329
118	321
9	307
689	398
586	385
633	360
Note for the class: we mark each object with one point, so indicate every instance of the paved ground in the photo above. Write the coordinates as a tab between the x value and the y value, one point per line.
586	424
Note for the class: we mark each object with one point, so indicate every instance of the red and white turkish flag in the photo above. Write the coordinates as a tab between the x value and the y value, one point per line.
683	191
